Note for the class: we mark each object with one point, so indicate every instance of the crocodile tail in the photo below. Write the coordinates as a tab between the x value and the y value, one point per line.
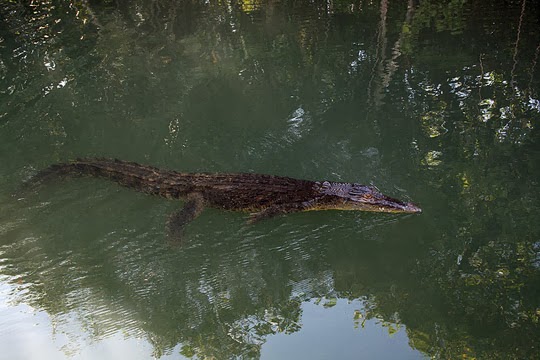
99	167
79	167
47	175
142	178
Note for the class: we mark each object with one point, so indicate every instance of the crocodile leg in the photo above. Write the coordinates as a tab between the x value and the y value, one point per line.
180	218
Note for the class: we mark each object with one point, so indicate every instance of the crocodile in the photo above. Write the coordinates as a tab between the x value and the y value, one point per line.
264	196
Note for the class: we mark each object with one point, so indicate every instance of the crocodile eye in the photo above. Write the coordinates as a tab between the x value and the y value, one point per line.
326	185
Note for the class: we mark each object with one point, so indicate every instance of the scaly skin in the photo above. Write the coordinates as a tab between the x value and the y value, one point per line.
262	195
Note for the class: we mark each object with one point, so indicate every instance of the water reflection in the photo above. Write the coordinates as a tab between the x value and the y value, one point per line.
410	95
220	295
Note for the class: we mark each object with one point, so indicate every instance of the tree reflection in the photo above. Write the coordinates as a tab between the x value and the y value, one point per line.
463	87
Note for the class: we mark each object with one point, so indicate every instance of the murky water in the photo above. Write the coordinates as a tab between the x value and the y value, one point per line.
433	103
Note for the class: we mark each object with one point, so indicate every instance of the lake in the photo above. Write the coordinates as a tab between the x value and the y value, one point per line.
432	102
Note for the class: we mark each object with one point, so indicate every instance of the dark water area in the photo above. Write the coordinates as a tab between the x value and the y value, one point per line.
433	102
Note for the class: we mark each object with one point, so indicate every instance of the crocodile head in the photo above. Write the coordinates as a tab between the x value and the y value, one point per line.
347	196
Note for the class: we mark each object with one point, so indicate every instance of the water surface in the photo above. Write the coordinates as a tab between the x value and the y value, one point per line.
435	103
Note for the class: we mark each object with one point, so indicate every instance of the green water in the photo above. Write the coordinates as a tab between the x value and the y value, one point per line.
432	102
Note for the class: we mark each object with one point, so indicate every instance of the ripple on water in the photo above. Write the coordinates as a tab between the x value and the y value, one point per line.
125	277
